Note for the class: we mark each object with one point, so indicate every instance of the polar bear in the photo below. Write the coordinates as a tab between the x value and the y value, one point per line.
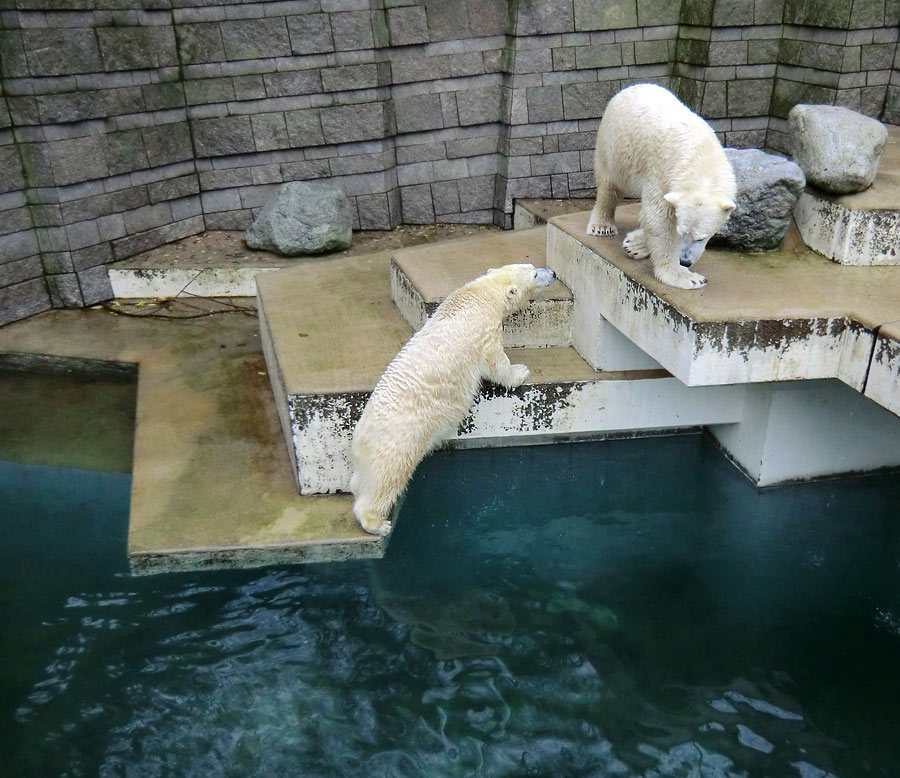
428	388
652	146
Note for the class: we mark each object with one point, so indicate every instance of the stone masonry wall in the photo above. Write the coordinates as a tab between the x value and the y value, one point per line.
126	124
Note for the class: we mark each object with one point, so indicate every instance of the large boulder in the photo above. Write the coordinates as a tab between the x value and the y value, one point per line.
302	218
767	188
837	148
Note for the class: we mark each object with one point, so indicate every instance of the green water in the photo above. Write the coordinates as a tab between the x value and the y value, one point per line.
629	608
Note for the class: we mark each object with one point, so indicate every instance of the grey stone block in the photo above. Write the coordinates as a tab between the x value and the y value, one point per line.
95	285
220	137
22	300
303	218
838	149
609	15
540	17
249	87
111	227
208	90
407	25
12	54
304	128
352	30
479	106
544	103
466	64
53	52
148	217
476	193
559	162
358	163
65	291
23	110
186	207
17	220
57	261
416	204
447	20
82	234
221	200
199	43
292	82
532	61
767	189
407	69
349	77
76	160
269	131
374	212
11	166
472	147
162	96
445	196
71	107
587	101
446	169
19	270
606	55
168	143
255	38
230	220
416	113
134	48
749	97
416	173
349	123
125	152
489	17
310	33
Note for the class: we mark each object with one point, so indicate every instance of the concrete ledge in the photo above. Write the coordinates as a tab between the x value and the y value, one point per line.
861	228
883	385
422	277
777	316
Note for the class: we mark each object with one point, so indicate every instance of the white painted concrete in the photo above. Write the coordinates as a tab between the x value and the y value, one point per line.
799	431
530	414
848	236
543	323
700	353
883	384
142	282
598	341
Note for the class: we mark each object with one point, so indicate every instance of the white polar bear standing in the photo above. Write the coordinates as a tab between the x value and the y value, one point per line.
429	387
652	146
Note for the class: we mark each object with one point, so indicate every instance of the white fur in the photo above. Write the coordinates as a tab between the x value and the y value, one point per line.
431	384
650	145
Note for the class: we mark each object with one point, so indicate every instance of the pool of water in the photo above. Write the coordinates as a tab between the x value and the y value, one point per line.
627	608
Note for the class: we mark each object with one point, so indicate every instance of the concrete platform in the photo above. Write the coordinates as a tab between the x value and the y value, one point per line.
861	228
777	316
212	484
422	277
329	331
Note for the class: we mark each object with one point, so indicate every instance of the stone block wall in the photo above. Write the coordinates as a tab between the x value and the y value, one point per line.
125	124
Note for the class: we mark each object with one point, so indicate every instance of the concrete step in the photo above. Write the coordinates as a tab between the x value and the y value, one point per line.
329	330
421	277
788	326
861	228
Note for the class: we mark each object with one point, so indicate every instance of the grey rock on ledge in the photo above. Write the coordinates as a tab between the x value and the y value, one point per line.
838	149
767	189
303	218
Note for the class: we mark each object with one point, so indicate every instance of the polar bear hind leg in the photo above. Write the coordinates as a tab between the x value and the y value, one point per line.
602	221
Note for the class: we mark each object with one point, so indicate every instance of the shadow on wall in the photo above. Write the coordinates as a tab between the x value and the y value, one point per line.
124	129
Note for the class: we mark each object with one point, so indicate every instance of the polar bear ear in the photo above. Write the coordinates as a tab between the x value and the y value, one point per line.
513	291
673	198
727	205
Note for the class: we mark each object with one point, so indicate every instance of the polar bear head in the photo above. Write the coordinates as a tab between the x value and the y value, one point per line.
519	282
698	217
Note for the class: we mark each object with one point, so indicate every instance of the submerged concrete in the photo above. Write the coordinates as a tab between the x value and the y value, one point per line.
212	484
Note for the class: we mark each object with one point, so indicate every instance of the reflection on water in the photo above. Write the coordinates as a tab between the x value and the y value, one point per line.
631	608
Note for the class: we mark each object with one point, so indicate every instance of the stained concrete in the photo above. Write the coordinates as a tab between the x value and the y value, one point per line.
212	483
422	277
762	317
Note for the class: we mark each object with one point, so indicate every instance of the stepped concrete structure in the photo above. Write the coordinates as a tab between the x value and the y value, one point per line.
861	228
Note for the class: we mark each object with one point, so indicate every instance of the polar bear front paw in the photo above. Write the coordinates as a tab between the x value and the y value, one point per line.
376	526
596	228
682	278
518	375
635	245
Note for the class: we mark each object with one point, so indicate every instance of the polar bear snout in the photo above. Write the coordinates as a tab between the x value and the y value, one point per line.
690	251
543	277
